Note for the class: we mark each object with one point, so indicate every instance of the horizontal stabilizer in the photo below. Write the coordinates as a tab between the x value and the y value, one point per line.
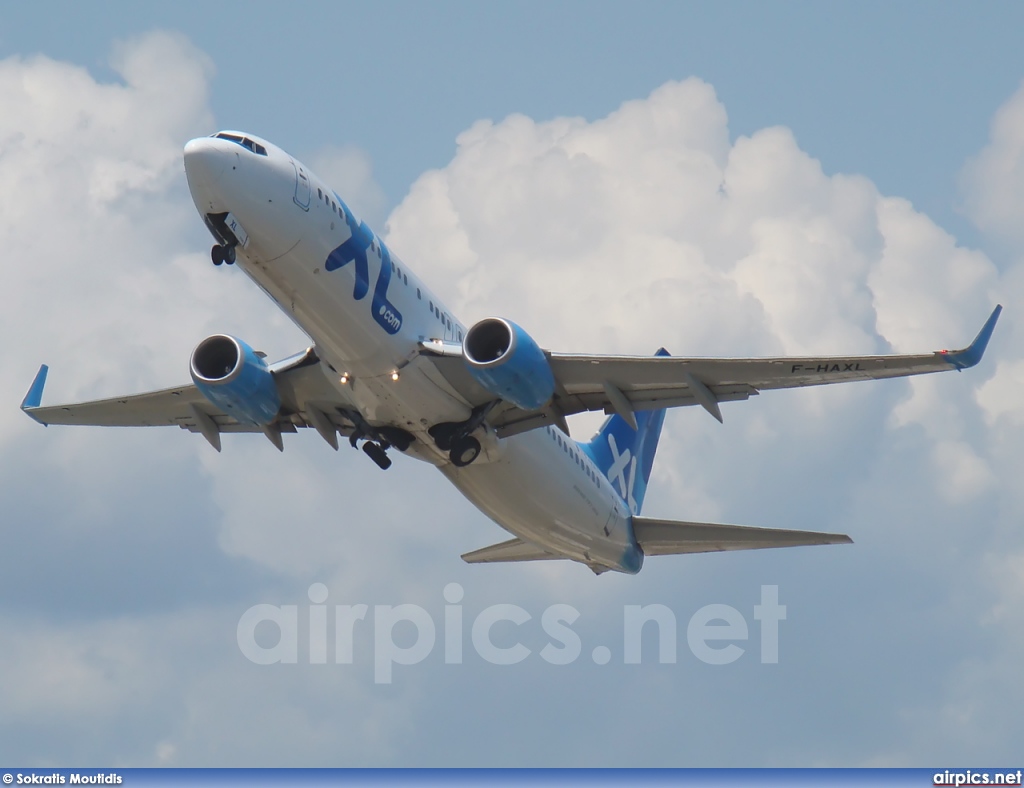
672	537
512	550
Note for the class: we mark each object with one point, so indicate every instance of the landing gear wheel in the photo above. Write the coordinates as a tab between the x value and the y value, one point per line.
222	254
464	451
377	454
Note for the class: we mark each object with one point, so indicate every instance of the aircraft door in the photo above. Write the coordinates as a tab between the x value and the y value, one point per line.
302	187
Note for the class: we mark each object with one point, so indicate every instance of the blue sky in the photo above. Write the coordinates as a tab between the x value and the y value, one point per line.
902	92
729	178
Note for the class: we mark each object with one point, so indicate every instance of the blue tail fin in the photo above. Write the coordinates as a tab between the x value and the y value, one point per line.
626	456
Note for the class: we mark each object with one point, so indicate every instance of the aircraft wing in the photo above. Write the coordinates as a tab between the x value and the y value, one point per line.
671	537
625	384
306	398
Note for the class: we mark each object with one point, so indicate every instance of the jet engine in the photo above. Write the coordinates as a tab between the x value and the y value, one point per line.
506	361
236	379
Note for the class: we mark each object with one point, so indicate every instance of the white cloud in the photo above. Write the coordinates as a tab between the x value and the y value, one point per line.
349	172
91	220
993	181
1000	396
595	240
964	473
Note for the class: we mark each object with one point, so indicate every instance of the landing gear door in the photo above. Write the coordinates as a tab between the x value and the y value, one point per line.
302	188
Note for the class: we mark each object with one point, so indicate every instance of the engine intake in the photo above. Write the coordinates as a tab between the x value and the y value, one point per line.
506	361
235	379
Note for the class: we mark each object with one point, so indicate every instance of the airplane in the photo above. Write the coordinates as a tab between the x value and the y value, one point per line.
391	367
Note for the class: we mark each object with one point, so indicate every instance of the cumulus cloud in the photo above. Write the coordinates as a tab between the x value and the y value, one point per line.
91	220
349	172
993	180
670	233
670	229
993	186
652	226
128	556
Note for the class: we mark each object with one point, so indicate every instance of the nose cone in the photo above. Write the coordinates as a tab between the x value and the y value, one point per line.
205	164
205	160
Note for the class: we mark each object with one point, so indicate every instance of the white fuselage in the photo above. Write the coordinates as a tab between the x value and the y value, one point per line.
534	484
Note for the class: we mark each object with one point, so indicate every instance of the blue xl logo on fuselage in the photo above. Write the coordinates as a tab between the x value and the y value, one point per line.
355	250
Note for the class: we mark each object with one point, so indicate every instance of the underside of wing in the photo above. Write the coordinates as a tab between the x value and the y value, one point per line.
152	409
307	400
512	550
627	384
672	537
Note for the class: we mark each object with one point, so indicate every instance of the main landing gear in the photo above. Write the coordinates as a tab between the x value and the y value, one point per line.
455	437
377	440
222	253
463	451
377	453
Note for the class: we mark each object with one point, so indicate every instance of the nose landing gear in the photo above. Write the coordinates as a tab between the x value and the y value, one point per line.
222	253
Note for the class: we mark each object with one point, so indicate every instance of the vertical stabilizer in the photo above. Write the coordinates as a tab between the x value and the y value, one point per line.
626	455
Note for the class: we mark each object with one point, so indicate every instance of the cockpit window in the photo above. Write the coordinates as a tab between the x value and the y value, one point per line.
245	142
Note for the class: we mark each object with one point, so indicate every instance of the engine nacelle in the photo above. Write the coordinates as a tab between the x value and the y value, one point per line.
234	378
506	361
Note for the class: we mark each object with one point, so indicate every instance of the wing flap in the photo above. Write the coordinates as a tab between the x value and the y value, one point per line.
512	550
672	537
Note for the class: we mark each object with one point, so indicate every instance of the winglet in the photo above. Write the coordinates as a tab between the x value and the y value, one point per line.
35	393
971	355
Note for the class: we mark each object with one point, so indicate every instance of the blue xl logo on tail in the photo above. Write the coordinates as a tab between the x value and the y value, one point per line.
625	455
